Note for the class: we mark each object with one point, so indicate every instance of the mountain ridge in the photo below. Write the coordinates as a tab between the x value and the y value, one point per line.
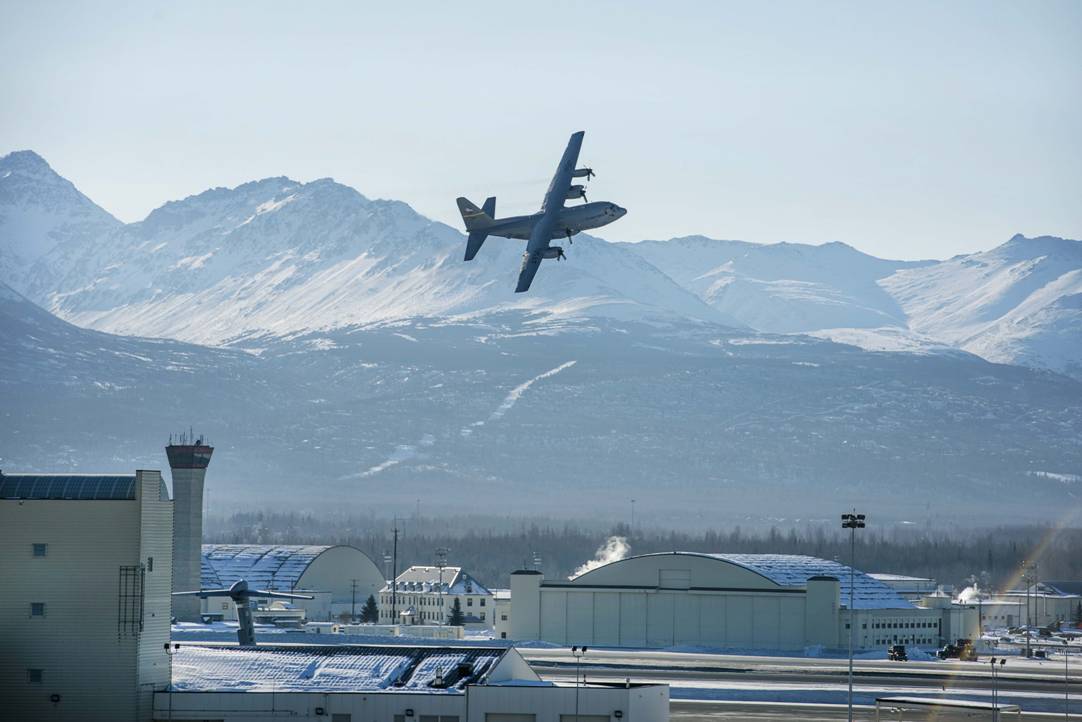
279	257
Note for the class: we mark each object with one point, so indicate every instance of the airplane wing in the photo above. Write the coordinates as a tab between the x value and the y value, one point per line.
278	595
561	182
204	593
531	261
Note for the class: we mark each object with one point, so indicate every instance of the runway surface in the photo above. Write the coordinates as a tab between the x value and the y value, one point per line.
766	688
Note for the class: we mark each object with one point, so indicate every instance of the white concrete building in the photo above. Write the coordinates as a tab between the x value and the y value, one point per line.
1047	604
736	601
501	613
337	576
425	595
84	617
387	683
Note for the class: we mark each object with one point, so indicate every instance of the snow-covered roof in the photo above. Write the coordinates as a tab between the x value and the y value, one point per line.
794	570
336	668
884	577
1064	587
263	566
427	579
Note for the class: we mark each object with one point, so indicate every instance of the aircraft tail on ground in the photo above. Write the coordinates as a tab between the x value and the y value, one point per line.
477	220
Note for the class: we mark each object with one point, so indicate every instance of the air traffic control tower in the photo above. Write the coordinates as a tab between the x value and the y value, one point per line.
188	461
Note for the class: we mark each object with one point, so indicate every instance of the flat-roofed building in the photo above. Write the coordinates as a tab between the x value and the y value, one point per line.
84	617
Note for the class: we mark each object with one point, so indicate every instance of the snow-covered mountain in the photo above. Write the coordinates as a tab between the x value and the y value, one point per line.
38	211
784	287
277	257
1020	303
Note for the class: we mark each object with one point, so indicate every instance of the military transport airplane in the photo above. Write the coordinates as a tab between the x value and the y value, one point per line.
552	221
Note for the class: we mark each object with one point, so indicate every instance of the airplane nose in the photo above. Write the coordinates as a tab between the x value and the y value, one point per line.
620	212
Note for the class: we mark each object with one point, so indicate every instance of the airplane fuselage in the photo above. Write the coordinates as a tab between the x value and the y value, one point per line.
572	220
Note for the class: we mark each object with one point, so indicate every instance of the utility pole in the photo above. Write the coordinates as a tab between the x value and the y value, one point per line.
1029	570
394	575
852	522
441	562
353	603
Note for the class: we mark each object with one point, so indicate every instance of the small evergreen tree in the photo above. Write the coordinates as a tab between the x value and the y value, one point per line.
370	612
457	617
1078	613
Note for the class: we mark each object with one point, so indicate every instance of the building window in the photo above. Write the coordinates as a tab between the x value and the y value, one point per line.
41	550
34	676
482	616
482	601
503	617
37	609
469	601
150	564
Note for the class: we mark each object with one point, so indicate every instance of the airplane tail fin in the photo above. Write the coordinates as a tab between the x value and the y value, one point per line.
477	219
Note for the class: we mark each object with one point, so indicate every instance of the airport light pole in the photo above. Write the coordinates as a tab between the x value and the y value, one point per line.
1028	570
995	691
1066	684
852	522
579	653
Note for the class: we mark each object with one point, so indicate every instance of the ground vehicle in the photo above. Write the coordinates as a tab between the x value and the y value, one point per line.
963	650
896	653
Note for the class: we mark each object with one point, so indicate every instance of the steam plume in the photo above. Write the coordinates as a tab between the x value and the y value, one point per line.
969	594
614	549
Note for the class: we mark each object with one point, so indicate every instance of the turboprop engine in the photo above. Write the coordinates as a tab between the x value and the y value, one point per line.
553	252
576	191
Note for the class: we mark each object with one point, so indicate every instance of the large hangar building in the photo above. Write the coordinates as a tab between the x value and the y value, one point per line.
735	601
340	577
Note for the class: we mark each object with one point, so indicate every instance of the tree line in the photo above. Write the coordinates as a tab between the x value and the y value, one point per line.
492	548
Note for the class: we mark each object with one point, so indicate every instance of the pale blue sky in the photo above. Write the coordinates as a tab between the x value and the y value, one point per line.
906	129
